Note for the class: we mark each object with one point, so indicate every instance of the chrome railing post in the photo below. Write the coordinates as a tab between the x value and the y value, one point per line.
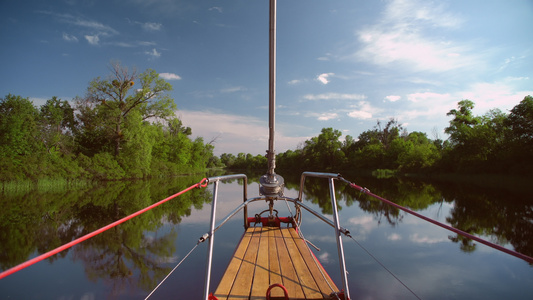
211	233
245	197
336	225
211	239
338	237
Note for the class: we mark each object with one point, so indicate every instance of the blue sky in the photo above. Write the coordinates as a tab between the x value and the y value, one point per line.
341	64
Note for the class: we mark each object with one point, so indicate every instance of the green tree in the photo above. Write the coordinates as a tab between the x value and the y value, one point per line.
419	153
462	134
93	130
19	129
519	136
228	159
136	155
460	129
172	150
477	143
520	123
324	151
57	125
392	131
116	99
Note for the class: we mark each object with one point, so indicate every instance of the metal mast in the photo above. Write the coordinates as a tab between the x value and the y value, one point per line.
271	184
272	89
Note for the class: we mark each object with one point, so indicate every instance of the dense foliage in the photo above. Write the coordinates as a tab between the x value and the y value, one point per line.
114	132
117	132
492	143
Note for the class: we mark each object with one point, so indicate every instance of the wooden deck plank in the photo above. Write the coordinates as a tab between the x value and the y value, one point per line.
268	255
261	273
313	268
288	274
307	281
273	263
243	282
228	279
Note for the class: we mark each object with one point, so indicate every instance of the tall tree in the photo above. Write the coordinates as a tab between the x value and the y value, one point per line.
57	124
117	98
463	121
520	122
519	136
324	151
18	127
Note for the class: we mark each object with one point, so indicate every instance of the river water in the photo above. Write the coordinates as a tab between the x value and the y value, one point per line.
128	261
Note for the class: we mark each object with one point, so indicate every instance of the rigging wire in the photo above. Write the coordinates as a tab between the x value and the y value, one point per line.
300	234
201	184
450	228
168	275
362	247
384	267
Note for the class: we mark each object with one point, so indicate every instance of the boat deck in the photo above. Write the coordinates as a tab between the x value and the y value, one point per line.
269	255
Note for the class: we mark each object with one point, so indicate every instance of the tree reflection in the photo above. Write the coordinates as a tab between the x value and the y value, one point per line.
500	216
134	254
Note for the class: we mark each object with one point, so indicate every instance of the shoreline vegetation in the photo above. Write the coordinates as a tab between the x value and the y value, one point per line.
123	128
494	144
117	132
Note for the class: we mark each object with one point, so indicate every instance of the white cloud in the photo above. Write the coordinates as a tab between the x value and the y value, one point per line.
124	44
428	97
169	76
92	39
153	53
433	106
133	44
69	37
324	258
409	12
486	96
399	38
146	43
393	98
394	237
359	114
149	26
236	133
364	225
101	28
426	240
324	77
294	81
216	8
363	110
233	89
334	96
326	57
324	116
429	105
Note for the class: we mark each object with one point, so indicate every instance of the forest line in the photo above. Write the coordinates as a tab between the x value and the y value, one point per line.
125	128
495	142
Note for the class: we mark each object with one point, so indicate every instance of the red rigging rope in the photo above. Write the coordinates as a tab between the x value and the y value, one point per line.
201	184
460	232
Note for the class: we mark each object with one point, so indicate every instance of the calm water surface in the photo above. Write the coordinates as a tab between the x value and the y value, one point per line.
128	261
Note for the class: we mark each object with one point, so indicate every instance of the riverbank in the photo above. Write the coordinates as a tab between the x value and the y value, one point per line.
61	184
519	183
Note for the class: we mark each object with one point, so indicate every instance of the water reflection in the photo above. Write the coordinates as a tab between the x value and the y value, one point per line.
501	216
136	255
130	255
